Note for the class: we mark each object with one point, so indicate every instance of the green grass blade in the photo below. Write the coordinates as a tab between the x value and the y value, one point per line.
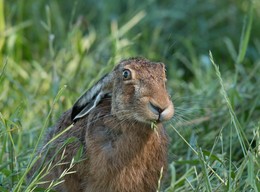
130	24
2	27
245	36
230	159
251	177
3	71
204	169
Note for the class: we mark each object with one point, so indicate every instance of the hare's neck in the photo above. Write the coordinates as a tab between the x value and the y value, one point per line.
140	144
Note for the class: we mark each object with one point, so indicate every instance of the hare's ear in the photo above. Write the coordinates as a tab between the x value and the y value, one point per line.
90	99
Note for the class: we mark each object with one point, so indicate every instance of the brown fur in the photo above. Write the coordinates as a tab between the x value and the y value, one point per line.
121	153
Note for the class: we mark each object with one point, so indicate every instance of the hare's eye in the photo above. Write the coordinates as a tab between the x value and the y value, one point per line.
126	74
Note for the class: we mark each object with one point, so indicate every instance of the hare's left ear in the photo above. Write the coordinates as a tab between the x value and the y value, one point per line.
92	97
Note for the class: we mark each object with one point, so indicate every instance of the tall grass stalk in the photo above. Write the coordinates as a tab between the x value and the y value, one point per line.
240	133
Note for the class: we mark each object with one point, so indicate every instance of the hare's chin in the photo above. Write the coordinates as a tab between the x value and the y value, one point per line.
145	120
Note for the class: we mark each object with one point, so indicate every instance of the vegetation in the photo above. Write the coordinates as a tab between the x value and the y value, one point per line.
51	51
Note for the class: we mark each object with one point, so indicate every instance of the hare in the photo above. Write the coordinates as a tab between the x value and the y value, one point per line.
112	123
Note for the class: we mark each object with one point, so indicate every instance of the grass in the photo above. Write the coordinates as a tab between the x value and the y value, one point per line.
51	52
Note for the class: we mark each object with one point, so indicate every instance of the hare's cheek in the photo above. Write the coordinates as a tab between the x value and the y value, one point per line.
142	111
121	107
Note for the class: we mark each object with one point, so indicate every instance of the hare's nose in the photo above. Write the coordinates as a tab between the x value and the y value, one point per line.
163	113
155	108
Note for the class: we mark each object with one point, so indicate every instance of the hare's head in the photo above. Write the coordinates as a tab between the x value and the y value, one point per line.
138	92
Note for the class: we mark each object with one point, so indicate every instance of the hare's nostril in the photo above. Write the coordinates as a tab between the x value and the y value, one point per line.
156	109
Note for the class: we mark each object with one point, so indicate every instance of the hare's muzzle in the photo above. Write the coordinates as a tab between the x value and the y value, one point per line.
163	113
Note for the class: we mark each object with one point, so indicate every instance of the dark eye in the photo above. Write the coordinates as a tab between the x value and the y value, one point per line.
126	74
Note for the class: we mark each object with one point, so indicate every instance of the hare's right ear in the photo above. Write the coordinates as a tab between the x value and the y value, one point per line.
92	97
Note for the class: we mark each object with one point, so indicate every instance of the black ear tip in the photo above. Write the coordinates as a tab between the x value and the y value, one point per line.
73	114
75	111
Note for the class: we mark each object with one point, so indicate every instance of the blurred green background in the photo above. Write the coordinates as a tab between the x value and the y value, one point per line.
46	44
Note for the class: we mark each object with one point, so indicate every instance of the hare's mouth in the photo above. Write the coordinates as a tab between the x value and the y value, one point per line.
154	114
